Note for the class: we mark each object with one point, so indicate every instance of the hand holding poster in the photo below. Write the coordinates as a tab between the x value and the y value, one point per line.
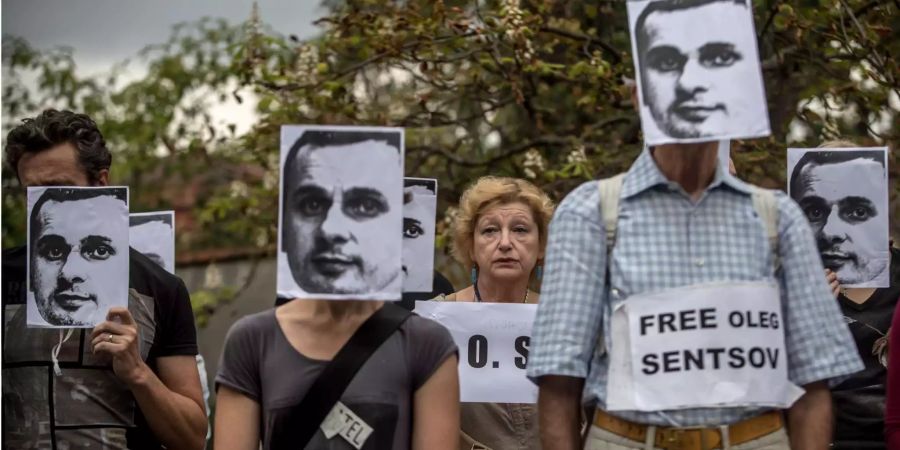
77	255
698	71
844	194
341	213
493	341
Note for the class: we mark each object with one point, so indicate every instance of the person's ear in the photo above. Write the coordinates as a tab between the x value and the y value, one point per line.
103	177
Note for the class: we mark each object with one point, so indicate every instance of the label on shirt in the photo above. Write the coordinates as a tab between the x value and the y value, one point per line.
493	341
344	422
712	345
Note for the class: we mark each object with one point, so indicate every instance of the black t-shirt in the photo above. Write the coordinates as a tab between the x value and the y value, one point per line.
86	406
859	400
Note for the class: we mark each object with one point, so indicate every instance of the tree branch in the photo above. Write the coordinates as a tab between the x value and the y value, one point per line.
609	49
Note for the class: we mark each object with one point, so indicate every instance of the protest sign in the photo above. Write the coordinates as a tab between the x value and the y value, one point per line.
77	254
844	194
341	213
419	213
493	341
698	70
153	234
716	345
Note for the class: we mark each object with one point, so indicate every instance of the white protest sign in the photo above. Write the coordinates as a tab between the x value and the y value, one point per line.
493	340
715	345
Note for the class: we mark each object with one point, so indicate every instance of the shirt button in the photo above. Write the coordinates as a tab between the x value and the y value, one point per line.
700	262
615	292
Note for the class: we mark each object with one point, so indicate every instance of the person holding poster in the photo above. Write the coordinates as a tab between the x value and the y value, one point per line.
132	381
499	234
859	400
340	243
678	327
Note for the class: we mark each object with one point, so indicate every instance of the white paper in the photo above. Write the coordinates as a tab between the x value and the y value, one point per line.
717	345
340	213
844	194
493	341
701	78
77	253
153	234
342	421
419	213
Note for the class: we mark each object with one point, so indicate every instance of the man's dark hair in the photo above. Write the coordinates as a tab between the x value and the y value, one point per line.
640	36
134	221
821	158
329	138
52	128
59	194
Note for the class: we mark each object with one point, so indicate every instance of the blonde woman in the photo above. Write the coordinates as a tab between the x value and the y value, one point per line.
500	234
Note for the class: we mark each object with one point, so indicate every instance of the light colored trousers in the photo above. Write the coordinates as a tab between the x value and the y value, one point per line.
600	439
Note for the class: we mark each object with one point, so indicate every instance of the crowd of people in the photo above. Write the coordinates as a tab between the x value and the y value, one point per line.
678	306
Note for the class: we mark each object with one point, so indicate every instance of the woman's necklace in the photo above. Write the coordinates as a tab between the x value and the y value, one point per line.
478	294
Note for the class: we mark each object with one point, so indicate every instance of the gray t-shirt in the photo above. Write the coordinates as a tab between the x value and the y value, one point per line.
259	362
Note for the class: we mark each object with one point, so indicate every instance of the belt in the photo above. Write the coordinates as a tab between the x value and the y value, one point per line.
694	438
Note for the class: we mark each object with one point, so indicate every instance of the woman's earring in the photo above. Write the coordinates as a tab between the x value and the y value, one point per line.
474	274
539	272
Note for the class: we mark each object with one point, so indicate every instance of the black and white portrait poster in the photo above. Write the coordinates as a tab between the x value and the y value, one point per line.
419	212
77	255
844	194
153	234
697	70
341	213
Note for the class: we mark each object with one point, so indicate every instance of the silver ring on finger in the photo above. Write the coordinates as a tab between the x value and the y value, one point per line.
109	338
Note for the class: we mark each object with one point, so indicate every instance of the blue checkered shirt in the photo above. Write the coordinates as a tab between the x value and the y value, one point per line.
664	240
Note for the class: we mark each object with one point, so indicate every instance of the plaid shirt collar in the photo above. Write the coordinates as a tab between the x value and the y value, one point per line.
644	174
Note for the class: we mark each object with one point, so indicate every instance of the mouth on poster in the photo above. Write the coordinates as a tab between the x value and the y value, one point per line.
702	346
493	341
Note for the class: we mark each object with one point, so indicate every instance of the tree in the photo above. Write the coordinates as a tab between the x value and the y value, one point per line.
529	88
534	88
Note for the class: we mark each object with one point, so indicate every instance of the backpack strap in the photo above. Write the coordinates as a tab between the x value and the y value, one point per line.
766	206
610	191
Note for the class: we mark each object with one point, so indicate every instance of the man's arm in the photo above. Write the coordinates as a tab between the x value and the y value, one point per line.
809	419
171	402
559	400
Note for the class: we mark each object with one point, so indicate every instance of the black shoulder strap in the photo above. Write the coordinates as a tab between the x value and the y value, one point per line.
294	428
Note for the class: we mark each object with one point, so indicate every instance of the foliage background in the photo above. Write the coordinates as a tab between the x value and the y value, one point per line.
525	88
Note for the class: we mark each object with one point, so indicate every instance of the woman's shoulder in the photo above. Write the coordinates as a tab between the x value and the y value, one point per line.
253	325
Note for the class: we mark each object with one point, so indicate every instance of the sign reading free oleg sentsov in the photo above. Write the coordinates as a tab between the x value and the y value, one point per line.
493	340
702	346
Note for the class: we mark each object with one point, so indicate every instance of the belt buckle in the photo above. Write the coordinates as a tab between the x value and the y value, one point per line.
674	439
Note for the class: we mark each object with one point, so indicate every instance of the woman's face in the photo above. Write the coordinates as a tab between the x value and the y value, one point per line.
506	242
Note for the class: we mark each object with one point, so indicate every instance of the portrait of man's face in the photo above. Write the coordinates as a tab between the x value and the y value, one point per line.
78	258
844	196
153	235
699	70
342	212
419	212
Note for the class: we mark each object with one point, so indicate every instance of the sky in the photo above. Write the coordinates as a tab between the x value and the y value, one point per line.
105	32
